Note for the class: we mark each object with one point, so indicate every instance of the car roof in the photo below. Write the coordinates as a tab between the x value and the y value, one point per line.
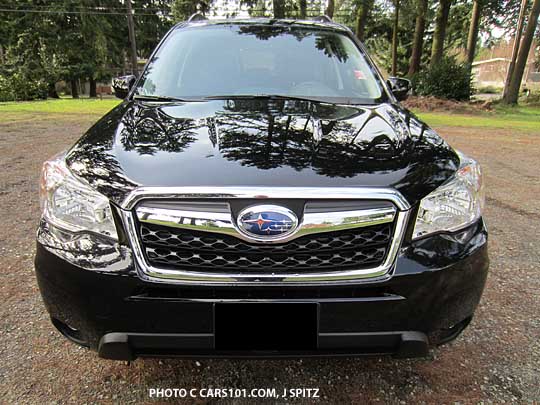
318	23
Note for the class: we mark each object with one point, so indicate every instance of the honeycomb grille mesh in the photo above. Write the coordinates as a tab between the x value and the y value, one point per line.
175	248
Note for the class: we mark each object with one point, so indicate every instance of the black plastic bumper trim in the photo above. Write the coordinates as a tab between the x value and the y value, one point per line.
129	346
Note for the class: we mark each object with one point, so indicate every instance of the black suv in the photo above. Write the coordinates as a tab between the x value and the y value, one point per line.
261	192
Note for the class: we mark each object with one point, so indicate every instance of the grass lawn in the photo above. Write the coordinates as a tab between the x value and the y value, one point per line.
62	108
518	118
522	118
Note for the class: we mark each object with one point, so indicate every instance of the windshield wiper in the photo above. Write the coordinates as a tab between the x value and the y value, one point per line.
325	99
269	97
143	97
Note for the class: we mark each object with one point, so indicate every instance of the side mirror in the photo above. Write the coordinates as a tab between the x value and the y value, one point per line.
400	87
122	85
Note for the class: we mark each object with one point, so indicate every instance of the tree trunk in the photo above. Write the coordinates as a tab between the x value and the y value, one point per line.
279	8
330	9
524	50
131	35
395	38
418	41
440	31
51	91
473	31
515	48
93	87
303	9
124	67
362	15
74	88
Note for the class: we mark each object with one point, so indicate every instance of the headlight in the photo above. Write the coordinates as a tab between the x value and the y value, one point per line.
456	204
71	205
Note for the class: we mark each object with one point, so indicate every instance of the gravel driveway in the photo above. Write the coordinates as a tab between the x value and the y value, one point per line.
497	358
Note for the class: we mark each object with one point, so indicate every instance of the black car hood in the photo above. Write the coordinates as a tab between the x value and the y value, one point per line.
261	142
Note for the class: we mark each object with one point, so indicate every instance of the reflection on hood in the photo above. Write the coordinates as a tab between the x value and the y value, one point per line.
260	142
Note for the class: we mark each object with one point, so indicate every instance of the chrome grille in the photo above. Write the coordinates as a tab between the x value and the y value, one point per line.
186	249
210	212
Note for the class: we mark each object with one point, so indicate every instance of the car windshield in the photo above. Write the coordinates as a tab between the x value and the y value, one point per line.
260	60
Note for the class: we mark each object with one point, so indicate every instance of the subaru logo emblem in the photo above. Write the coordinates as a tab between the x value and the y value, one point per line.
267	222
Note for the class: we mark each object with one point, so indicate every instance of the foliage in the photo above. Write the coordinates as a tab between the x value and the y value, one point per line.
152	20
70	42
500	13
488	90
18	87
447	79
74	39
63	44
458	25
183	9
264	8
532	99
29	61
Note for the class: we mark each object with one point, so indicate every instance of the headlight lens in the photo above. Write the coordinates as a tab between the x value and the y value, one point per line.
71	205
456	204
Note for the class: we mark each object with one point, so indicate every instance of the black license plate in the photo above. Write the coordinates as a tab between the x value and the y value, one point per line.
265	326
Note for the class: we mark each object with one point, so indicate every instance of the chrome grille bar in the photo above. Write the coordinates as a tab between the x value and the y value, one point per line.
261	193
223	223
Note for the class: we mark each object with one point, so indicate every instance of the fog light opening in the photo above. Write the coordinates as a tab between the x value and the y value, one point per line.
69	332
448	334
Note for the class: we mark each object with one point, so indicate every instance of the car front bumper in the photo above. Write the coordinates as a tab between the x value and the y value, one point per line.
435	287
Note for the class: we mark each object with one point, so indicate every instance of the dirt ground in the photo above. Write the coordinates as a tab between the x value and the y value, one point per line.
497	358
428	103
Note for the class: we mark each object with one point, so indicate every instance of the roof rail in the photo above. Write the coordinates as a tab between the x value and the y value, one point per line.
323	18
196	17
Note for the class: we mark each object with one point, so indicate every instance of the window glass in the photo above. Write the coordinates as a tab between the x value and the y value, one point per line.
259	60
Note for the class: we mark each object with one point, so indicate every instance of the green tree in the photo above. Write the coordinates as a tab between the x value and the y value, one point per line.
153	20
183	9
439	35
89	43
29	43
364	9
329	8
512	94
395	34
473	30
101	45
418	41
279	8
447	79
302	6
